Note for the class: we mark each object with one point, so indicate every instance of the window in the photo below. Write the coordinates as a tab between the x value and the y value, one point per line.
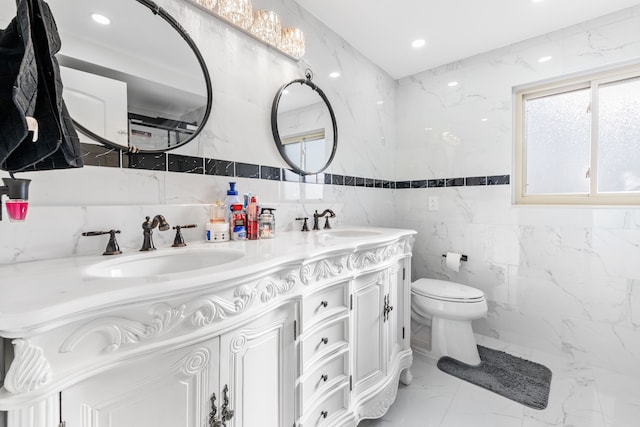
307	149
578	141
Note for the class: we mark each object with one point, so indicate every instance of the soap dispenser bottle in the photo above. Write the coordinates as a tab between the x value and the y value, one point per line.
232	199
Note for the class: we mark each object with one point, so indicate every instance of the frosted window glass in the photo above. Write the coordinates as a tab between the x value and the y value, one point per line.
619	137
557	141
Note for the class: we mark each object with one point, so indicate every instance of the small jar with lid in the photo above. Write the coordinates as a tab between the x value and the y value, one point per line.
267	223
217	230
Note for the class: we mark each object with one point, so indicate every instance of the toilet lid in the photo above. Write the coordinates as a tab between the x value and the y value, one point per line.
447	291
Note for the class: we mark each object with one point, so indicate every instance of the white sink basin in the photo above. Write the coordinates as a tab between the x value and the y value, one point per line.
350	232
165	262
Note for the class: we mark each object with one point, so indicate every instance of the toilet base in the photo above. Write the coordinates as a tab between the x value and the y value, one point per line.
455	339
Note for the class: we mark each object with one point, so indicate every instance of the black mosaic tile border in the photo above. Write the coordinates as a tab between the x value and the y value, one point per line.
247	170
96	155
186	164
152	162
219	167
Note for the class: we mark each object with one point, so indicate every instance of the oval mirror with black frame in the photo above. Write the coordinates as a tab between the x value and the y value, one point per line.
133	78
304	126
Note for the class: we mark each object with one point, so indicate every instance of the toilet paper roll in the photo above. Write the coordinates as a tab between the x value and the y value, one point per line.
453	261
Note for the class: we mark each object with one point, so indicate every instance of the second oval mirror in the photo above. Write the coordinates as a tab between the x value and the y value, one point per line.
304	126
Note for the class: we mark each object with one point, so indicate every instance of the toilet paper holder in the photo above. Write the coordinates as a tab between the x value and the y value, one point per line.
462	257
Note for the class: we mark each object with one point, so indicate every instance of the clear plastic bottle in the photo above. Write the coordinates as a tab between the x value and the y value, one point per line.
267	223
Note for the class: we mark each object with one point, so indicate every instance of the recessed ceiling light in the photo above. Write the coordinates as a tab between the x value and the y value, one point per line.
286	91
484	119
536	1
100	19
452	84
380	102
545	59
428	129
334	75
418	43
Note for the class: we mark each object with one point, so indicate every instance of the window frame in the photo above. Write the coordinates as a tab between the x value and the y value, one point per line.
592	81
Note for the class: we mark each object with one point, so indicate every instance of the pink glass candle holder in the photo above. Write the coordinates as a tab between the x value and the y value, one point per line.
17	209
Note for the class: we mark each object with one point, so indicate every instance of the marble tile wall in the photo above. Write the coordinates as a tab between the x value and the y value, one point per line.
564	280
246	76
560	279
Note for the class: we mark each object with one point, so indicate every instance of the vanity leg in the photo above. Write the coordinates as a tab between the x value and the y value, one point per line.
406	377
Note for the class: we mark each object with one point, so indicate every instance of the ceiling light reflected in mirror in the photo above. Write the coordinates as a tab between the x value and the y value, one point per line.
418	43
100	19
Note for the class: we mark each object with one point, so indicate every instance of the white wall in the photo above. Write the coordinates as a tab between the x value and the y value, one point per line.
246	75
565	280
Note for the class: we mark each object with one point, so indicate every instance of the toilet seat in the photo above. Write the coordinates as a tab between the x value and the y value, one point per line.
446	291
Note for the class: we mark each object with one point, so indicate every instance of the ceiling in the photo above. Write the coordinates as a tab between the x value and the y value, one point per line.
382	30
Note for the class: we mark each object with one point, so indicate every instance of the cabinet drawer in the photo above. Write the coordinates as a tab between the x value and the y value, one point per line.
327	338
324	303
326	411
327	375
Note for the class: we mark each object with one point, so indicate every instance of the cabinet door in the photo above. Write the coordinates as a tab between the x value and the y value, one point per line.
258	363
399	301
164	390
369	355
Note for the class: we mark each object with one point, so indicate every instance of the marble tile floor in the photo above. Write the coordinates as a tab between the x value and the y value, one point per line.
581	396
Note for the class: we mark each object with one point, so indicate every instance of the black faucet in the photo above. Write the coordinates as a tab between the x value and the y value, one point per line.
147	226
316	215
112	246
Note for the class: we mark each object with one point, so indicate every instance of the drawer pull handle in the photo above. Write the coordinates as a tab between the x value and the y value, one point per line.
324	377
324	414
324	340
324	304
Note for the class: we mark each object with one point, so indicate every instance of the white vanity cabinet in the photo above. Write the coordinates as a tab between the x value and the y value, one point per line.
369	358
140	393
174	389
305	331
381	337
324	382
257	361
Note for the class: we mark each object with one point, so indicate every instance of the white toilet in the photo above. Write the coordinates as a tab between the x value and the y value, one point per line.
449	307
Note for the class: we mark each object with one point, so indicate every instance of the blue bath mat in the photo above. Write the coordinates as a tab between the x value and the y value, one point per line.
517	379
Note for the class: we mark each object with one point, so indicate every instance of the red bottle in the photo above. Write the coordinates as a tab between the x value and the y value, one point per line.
252	219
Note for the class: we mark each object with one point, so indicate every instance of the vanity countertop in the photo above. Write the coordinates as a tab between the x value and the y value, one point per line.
40	293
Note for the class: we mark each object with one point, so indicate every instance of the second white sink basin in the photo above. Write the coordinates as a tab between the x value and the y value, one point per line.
351	232
165	262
